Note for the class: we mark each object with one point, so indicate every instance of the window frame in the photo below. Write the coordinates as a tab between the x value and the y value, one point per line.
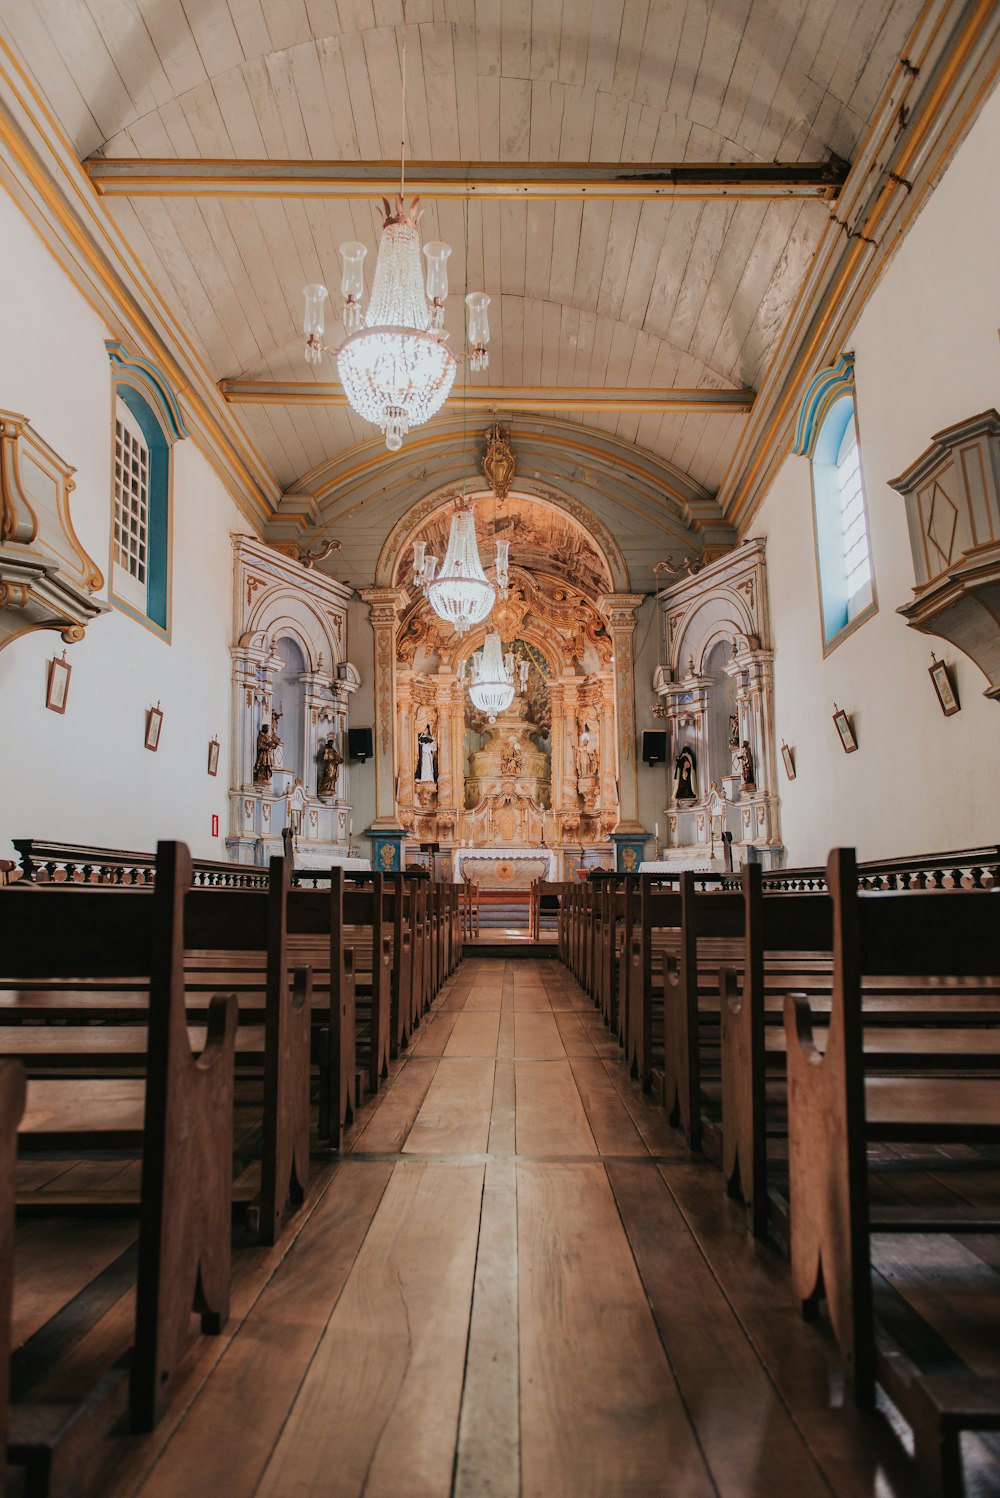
155	615
836	617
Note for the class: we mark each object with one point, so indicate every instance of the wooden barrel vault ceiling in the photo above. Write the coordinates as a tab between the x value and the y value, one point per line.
619	293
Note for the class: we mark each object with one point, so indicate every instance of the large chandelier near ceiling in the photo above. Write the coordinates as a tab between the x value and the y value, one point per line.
395	363
460	593
492	688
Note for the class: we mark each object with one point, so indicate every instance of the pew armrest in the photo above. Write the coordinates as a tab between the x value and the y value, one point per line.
799	1026
730	991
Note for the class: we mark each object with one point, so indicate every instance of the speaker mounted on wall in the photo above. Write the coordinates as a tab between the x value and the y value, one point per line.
359	743
654	747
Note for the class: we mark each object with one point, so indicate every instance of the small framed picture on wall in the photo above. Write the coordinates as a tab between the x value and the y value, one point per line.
944	686
213	756
57	685
845	729
154	722
788	760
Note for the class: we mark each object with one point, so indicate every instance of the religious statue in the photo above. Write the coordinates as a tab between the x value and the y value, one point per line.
734	734
278	751
427	746
685	776
586	753
330	761
523	668
263	765
510	757
746	765
296	806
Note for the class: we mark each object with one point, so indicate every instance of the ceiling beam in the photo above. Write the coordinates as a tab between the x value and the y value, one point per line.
503	397
187	177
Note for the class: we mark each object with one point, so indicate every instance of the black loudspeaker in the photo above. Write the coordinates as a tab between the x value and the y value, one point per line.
654	747
359	743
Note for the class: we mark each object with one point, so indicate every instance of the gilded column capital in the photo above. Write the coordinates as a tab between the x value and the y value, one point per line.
384	604
619	609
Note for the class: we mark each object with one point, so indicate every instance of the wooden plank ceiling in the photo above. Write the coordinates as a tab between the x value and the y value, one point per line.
602	293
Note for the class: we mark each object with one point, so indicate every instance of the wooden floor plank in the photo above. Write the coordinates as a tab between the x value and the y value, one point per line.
455	1116
488	1463
536	1036
551	1119
434	1034
600	1410
229	1433
573	1034
503	1112
749	1441
607	1115
50	1268
530	1000
393	1119
378	1410
475	1034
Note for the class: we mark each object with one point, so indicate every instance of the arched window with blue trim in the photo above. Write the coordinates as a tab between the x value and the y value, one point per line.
827	436
147	421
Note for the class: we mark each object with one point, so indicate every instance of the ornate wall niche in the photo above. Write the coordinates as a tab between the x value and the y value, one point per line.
719	665
290	632
47	579
952	498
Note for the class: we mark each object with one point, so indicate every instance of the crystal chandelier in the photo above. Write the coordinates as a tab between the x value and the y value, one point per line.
460	593
492	688
395	363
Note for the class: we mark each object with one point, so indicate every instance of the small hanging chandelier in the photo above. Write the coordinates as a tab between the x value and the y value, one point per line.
492	688
460	593
395	363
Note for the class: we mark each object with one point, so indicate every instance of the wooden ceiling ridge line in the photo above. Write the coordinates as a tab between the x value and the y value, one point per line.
48	185
706	400
137	176
945	75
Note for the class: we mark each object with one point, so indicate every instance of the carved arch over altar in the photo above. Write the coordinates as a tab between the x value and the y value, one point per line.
394	556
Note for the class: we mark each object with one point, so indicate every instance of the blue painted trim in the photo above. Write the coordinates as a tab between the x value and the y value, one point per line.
154	386
630	850
825	388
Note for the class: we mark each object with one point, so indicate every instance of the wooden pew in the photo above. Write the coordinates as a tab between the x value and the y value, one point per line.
835	1111
12	1093
185	1121
656	930
234	938
712	924
788	943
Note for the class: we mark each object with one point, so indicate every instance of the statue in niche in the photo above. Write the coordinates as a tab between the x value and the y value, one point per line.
427	748
587	753
330	761
263	765
746	766
278	749
296	806
734	738
510	757
685	776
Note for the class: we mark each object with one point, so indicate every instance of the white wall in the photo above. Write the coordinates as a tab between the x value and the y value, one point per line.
85	776
927	355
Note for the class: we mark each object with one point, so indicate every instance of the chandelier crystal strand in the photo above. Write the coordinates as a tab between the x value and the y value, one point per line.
460	593
492	689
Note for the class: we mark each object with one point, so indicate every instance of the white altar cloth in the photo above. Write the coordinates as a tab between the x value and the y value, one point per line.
331	861
498	855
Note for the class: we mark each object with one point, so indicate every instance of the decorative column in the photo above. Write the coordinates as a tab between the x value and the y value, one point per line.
619	609
557	707
385	606
609	789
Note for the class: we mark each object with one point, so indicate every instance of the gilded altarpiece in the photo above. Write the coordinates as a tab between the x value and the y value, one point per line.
546	774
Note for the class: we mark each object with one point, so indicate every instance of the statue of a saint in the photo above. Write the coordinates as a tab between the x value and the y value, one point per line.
263	765
586	753
427	769
278	748
330	761
746	765
510	757
296	806
685	776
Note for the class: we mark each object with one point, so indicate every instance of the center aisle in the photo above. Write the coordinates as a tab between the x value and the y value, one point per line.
517	1281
